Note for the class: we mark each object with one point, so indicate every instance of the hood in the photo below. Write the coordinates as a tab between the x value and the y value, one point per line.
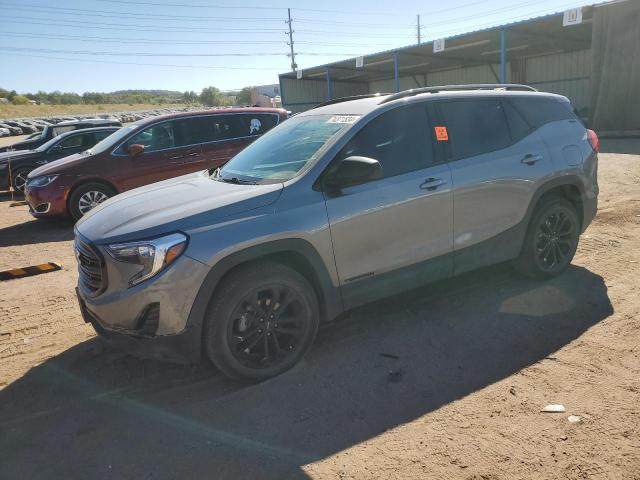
19	154
23	145
57	167
180	204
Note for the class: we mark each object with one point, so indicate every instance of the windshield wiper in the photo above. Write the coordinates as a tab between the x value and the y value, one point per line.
238	181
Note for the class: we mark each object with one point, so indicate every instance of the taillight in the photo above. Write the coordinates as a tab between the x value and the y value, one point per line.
593	140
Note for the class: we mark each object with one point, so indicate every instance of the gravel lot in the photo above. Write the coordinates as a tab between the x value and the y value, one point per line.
467	366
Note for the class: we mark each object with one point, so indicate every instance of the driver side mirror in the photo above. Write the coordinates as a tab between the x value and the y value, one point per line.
135	150
355	170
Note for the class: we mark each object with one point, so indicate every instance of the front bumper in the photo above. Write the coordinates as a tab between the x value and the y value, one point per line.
47	201
184	347
152	317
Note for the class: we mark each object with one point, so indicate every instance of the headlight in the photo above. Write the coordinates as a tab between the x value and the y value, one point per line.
41	181
152	255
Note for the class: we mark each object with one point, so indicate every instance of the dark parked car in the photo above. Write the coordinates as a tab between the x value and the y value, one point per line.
26	129
145	152
52	131
15	166
12	129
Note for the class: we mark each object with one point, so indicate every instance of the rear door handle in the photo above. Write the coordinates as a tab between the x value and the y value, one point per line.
530	159
432	183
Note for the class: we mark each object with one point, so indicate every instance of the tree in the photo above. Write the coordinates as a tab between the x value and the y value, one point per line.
211	97
244	96
190	97
20	100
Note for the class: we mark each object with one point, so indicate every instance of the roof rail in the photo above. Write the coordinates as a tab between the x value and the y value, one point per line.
347	99
445	88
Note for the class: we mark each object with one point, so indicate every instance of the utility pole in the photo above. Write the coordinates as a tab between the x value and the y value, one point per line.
294	66
419	30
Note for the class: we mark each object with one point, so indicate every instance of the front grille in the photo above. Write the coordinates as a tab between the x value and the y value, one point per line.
90	268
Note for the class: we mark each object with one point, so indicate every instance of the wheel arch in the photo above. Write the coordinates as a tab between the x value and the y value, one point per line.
569	187
85	181
296	254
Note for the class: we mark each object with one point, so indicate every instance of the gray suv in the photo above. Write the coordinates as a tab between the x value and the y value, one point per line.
352	201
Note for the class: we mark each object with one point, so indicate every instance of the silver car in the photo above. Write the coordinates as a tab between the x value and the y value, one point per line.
346	203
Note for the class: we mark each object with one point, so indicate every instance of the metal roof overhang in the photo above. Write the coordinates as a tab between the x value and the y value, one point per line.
528	38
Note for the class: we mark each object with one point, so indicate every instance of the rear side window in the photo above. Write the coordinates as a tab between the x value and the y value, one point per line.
540	111
191	131
475	127
260	123
398	139
227	127
77	141
518	126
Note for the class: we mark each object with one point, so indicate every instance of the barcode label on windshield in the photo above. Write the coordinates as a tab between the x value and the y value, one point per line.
343	119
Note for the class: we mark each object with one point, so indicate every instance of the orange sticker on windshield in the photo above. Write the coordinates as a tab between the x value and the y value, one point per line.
441	134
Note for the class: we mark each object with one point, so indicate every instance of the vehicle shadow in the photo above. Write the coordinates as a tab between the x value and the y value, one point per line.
92	412
34	231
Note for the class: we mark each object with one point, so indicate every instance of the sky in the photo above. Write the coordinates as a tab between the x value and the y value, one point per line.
109	45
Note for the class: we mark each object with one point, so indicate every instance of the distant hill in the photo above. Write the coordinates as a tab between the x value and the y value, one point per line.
155	93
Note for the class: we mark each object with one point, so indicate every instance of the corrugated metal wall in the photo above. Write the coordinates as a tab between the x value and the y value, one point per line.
567	74
475	74
563	73
300	95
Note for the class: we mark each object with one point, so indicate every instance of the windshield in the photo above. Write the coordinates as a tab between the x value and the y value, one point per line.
280	154
111	140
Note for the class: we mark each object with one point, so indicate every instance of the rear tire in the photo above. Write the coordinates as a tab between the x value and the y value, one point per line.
551	240
261	322
86	197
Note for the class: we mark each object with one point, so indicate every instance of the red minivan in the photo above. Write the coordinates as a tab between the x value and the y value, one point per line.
144	152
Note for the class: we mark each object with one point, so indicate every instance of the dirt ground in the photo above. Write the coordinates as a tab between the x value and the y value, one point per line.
443	382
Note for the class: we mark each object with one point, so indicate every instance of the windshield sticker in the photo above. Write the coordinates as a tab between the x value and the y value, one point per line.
441	134
343	119
255	126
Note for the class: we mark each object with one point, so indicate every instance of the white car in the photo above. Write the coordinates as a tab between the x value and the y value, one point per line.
4	132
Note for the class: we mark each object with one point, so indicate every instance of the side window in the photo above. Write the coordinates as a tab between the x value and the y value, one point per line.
99	136
157	137
191	131
540	111
60	130
398	139
518	126
76	141
227	127
261	123
475	127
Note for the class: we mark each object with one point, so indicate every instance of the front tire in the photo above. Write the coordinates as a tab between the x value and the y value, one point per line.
261	322
87	197
19	179
551	240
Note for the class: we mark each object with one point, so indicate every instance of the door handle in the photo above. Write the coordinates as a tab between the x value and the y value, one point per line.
432	183
192	154
530	159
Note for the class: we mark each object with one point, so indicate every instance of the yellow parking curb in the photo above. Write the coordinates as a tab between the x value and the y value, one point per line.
19	204
30	271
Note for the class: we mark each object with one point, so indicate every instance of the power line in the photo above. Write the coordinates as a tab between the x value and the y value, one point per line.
89	60
151	54
164	28
189	18
127	15
145	41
